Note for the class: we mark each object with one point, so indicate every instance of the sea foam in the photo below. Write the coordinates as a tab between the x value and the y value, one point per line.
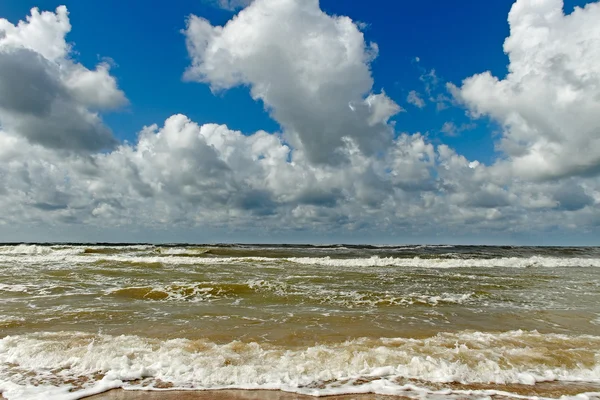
27	255
47	365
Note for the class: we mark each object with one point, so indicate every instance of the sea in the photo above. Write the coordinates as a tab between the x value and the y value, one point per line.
423	322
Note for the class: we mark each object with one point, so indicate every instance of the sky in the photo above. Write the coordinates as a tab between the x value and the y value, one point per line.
300	121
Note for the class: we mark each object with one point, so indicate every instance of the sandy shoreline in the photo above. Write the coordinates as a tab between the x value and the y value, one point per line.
544	389
119	394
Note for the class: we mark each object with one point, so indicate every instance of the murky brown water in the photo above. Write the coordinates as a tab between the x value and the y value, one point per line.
312	320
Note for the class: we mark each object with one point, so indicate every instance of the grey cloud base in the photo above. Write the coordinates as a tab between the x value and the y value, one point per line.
47	98
45	113
186	176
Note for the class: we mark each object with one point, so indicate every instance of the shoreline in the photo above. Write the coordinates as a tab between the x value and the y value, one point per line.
121	394
555	389
550	390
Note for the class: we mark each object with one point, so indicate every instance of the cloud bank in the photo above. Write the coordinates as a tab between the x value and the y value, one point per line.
340	163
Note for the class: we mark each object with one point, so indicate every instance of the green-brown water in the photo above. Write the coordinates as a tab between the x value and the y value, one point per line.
315	320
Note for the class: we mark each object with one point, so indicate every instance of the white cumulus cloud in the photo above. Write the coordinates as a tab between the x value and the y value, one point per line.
312	73
549	103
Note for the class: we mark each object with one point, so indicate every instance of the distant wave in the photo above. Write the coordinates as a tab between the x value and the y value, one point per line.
141	257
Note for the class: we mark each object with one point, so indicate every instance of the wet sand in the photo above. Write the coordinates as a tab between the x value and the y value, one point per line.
548	390
118	394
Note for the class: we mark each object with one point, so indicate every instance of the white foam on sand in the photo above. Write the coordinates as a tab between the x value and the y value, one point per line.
73	365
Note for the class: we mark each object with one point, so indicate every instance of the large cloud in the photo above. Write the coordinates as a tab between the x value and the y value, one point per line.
187	175
549	103
338	166
312	72
44	95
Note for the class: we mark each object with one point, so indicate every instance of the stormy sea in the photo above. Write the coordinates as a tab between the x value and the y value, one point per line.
427	322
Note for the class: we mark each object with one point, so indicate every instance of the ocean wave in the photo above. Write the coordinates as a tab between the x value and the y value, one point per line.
181	292
335	257
182	251
33	249
355	298
417	262
66	250
17	288
35	366
78	257
299	294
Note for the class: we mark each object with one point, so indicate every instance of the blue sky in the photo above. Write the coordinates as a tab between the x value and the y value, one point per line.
480	157
457	40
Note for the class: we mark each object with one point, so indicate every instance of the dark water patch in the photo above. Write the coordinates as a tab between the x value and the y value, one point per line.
140	293
403	252
60	273
123	263
183	292
258	252
12	323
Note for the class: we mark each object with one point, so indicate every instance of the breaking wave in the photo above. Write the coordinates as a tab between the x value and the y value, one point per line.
48	365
